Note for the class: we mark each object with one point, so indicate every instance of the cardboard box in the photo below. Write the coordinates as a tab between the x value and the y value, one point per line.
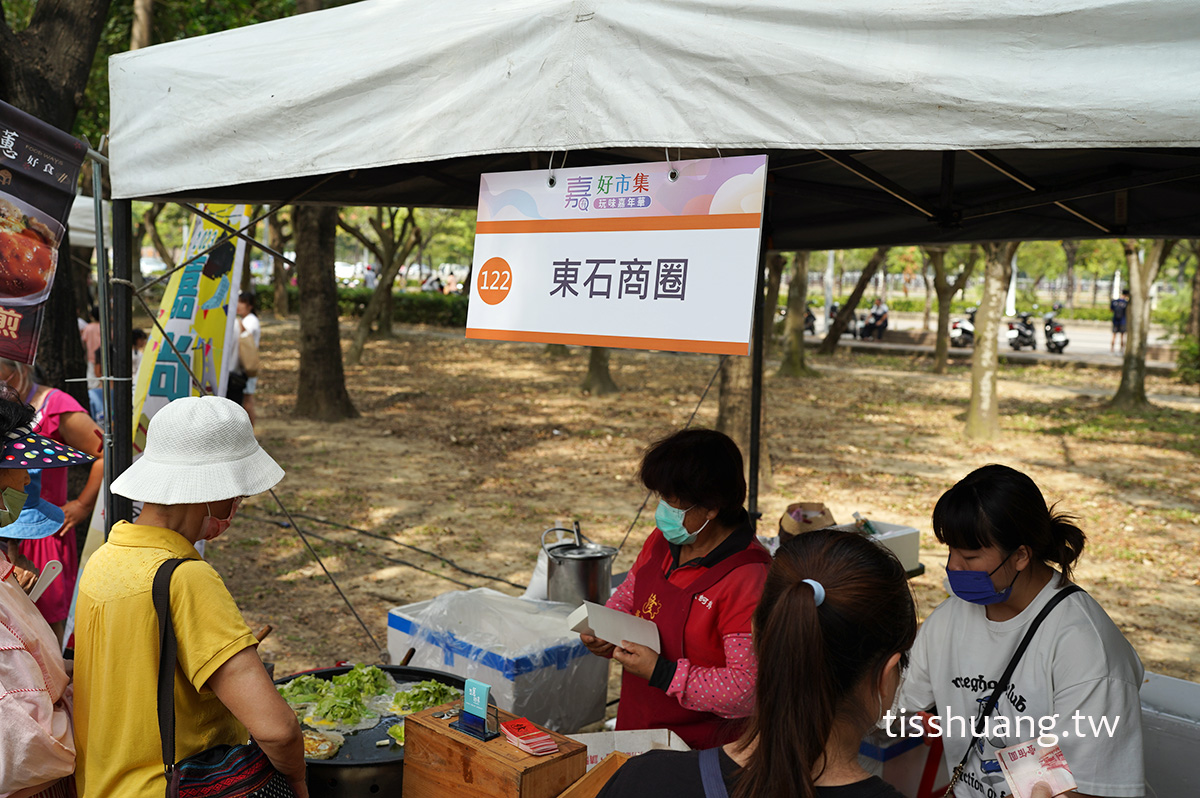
536	668
440	761
591	784
804	517
630	742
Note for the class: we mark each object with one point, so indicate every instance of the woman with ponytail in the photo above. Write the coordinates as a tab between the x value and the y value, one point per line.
831	634
1077	681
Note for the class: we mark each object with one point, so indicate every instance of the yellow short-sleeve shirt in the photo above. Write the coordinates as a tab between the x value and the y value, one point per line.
116	661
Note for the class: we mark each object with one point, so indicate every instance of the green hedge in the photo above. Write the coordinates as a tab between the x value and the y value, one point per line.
409	307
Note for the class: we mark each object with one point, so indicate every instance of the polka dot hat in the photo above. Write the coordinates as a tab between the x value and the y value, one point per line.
24	448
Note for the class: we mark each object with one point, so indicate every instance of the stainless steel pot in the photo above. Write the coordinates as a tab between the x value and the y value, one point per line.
578	570
360	768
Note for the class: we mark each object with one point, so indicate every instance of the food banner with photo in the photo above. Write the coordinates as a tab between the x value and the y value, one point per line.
636	256
39	170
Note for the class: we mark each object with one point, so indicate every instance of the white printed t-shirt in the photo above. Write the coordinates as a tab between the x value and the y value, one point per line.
1078	661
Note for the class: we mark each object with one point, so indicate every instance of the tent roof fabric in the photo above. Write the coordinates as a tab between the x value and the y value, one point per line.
407	102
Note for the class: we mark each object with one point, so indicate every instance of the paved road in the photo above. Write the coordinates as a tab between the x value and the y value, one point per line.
1089	342
1087	337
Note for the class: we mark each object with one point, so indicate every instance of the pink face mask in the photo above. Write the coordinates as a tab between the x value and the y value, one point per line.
211	526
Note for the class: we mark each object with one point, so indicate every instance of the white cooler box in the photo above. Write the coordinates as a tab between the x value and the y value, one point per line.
521	648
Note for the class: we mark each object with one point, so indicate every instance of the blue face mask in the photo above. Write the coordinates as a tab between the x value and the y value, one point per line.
976	586
669	521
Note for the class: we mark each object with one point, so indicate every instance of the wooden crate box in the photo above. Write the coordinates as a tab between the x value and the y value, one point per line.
440	761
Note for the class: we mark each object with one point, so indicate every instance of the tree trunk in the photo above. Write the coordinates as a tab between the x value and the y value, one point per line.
598	381
1071	252
1193	324
733	413
393	251
983	414
280	273
770	307
945	294
557	351
248	255
150	219
929	294
321	388
793	364
78	262
1131	393
829	345
143	24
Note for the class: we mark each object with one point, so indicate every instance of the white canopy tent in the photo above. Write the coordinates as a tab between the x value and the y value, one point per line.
916	121
388	82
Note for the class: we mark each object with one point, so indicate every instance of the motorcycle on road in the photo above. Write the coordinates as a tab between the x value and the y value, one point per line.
1020	332
962	331
1056	336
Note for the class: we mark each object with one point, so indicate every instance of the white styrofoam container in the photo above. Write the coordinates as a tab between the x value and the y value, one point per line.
904	541
1170	734
521	648
630	741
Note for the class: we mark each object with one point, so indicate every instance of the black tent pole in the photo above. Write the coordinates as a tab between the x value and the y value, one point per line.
121	340
756	377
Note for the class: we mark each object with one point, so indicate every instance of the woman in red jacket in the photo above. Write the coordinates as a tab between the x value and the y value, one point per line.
698	578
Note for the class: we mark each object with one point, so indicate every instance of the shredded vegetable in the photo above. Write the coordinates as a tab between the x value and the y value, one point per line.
423	696
366	680
305	690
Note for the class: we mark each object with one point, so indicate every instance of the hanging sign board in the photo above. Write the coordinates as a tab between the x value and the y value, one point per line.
620	256
39	170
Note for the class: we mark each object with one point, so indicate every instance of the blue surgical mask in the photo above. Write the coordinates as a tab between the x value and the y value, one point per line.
669	521
976	586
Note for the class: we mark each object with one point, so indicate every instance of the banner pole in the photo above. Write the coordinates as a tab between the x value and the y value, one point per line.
121	362
756	379
106	330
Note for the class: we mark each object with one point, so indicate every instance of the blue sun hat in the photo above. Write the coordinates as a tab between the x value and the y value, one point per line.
39	518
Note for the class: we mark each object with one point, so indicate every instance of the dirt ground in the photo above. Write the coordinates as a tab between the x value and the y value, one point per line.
468	450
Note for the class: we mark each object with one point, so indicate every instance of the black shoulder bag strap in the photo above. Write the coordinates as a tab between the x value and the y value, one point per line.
168	649
1002	684
710	774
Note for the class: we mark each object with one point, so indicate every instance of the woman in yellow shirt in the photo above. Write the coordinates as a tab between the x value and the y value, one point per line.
200	461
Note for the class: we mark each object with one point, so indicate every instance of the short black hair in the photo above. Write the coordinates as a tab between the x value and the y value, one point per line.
14	413
139	335
999	506
701	467
249	298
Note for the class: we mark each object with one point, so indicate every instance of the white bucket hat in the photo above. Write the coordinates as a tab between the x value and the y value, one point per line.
199	449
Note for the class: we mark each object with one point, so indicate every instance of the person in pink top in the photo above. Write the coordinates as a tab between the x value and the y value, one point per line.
37	746
60	418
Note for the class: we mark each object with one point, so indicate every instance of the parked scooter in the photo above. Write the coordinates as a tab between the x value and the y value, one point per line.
1020	332
1056	337
962	331
851	326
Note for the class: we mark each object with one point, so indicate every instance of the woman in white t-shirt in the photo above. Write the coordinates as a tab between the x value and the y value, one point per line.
1078	681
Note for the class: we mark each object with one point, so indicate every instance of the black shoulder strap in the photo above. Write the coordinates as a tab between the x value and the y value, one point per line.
1002	684
710	774
168	649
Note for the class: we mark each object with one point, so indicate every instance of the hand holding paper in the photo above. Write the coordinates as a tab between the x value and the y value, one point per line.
614	626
